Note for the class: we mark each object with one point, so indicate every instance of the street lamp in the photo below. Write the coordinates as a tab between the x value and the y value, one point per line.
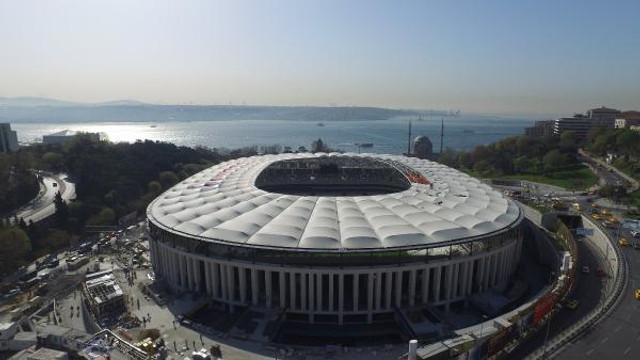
546	337
484	318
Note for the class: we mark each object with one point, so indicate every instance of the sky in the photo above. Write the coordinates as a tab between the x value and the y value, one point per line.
510	57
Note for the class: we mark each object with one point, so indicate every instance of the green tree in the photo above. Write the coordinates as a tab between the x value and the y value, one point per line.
62	210
53	161
15	246
106	216
168	179
554	160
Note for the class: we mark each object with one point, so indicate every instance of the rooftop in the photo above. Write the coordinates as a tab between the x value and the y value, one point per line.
103	287
223	204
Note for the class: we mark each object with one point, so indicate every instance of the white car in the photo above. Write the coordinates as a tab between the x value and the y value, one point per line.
635	233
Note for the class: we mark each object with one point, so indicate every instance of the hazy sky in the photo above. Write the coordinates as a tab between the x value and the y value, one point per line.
552	57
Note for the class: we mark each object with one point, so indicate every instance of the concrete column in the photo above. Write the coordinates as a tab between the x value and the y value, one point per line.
268	289
231	283
378	290
480	275
356	291
341	294
388	290
319	294
331	307
398	288
370	292
207	277
463	278
184	271
242	275
425	285
448	285
470	278
189	271
223	282
436	285
490	271
303	291
312	293
254	286
412	288
283	284
215	277
292	291
196	274
456	281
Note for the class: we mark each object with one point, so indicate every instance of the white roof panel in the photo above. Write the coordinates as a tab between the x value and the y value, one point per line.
222	203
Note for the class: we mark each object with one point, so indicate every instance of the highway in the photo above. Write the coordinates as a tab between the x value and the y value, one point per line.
587	291
618	335
44	207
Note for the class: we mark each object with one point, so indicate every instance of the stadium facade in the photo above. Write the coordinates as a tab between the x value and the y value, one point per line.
334	238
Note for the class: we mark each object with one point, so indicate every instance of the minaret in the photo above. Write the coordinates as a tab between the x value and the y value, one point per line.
441	136
409	140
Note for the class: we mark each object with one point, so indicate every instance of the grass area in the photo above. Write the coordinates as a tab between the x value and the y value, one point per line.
575	179
578	178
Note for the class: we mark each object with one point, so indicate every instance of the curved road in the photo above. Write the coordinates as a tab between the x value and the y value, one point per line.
44	207
618	335
587	291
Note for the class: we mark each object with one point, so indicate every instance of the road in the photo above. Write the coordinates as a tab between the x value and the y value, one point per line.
606	173
44	207
618	335
586	287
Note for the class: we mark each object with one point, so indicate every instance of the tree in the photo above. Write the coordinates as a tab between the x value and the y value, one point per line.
319	146
15	245
62	210
554	160
168	179
53	161
106	216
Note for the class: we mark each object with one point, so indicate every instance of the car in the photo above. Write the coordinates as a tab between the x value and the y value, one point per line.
638	294
594	205
623	242
636	246
585	269
572	304
595	216
600	272
635	233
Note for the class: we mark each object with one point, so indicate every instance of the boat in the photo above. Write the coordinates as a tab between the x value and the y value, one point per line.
320	124
152	126
366	145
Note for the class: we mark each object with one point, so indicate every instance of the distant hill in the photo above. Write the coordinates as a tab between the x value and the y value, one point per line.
39	102
48	110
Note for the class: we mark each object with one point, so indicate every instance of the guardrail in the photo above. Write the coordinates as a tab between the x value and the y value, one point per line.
605	306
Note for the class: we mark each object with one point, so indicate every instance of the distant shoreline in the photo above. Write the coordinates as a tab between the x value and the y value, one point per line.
161	113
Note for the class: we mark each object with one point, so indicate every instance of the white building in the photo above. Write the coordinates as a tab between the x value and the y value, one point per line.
67	135
334	238
8	138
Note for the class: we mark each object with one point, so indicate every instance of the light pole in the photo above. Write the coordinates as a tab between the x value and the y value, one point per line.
484	318
546	337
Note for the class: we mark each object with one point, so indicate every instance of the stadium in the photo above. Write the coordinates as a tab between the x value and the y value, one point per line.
334	238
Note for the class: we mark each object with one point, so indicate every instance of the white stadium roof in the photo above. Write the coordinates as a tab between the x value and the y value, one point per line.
222	204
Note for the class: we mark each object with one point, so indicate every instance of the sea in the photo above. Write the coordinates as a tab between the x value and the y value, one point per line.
462	133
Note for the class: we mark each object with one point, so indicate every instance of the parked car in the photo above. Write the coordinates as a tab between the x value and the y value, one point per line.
572	304
585	269
635	233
